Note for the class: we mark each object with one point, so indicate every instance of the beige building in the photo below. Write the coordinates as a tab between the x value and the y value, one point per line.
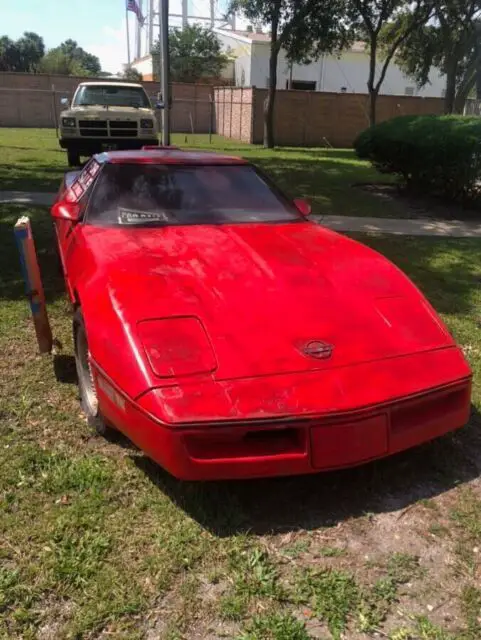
347	73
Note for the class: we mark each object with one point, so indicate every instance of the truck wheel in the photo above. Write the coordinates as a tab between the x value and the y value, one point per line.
73	157
86	383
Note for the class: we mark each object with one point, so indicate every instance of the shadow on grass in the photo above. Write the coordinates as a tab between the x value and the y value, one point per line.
326	499
447	270
64	368
31	177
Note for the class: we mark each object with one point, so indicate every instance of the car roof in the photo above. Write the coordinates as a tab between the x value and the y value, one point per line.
110	83
169	156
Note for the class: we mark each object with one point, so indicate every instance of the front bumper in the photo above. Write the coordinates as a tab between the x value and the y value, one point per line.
89	146
292	444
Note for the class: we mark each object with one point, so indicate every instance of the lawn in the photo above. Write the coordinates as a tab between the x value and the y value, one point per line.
31	159
98	542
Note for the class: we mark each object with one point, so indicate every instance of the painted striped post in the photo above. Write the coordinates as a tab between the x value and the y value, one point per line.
33	283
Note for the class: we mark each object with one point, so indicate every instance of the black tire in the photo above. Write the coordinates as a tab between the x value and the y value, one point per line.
73	158
86	384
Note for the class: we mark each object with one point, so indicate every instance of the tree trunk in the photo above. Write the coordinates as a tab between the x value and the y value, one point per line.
269	138
371	79
450	87
372	107
464	89
478	61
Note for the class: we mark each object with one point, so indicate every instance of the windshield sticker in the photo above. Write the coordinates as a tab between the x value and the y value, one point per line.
130	216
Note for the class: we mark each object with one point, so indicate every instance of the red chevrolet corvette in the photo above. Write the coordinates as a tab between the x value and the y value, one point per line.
229	337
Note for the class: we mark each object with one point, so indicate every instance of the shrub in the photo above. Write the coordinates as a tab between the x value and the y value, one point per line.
435	154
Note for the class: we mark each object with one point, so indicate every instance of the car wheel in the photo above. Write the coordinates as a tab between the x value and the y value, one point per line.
73	158
87	391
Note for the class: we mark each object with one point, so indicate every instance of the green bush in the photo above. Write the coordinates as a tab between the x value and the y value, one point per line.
435	154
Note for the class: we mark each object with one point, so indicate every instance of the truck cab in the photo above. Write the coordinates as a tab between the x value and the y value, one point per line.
106	116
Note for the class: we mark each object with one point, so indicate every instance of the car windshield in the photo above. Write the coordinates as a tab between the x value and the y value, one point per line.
108	95
172	194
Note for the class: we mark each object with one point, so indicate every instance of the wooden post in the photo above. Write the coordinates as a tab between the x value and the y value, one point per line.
33	283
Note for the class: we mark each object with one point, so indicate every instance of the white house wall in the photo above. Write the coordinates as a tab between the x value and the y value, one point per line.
144	66
241	51
351	71
329	73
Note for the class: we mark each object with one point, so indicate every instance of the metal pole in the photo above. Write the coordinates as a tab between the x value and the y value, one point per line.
128	37
185	12
212	14
139	32
164	72
151	27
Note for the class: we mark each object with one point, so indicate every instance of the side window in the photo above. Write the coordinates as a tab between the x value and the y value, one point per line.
79	188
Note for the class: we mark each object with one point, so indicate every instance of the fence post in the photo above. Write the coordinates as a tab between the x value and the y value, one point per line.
195	110
223	112
54	110
211	116
33	283
307	108
230	119
241	111
253	113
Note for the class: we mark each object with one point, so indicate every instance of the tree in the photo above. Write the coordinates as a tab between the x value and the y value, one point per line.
70	59
22	55
131	75
195	53
368	20
451	43
303	28
86	60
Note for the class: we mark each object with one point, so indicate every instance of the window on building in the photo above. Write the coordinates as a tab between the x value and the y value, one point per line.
303	85
409	91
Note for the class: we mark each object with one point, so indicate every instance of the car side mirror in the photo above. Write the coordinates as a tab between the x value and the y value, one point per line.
66	211
65	102
303	206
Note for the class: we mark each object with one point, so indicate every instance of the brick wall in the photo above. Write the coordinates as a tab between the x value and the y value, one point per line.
310	118
33	100
233	112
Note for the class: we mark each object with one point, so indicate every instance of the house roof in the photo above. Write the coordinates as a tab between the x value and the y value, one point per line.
248	36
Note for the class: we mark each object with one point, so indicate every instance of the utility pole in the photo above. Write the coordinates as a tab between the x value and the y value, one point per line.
164	69
138	41
185	12
212	14
128	35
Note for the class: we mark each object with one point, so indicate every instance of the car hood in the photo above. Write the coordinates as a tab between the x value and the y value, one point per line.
265	292
103	112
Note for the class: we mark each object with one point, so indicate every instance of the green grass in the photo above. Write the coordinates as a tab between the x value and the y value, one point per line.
32	160
96	541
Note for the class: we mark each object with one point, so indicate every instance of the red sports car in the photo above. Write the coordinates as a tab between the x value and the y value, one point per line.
230	337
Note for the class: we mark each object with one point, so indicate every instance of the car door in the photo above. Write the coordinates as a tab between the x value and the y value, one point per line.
76	188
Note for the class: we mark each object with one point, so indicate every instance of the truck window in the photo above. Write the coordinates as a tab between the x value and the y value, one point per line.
110	95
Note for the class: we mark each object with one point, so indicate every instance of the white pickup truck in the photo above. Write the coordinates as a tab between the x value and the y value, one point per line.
106	115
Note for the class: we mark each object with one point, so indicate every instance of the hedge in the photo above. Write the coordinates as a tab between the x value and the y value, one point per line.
435	154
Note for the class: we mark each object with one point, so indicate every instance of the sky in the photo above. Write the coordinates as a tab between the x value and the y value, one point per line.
97	25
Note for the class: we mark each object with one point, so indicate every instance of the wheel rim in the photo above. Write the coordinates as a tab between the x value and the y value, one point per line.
86	379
